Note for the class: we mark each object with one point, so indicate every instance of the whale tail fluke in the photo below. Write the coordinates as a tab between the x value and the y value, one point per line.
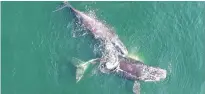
64	5
67	4
81	66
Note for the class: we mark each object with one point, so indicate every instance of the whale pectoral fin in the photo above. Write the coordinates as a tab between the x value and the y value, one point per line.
81	67
136	87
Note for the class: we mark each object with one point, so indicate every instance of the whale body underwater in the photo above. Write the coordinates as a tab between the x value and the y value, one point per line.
125	66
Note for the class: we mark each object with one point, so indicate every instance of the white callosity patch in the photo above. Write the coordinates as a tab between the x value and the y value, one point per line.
110	55
152	74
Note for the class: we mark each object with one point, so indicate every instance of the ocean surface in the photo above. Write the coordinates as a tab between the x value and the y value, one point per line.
37	46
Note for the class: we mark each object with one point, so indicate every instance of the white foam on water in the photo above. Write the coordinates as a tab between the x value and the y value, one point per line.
136	57
79	31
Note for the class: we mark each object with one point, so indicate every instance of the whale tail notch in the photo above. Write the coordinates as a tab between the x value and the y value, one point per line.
63	5
81	67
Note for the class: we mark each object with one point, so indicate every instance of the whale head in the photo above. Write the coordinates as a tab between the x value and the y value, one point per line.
150	74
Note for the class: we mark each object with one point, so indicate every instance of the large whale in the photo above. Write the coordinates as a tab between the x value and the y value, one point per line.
129	68
97	28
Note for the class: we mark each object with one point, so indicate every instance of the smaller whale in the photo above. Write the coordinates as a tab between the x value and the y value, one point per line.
133	69
97	28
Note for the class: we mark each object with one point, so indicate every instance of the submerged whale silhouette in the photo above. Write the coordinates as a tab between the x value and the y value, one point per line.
126	67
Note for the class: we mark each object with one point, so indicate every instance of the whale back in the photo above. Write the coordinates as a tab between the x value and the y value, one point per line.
136	70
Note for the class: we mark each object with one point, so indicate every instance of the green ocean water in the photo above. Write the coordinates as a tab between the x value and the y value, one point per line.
37	47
